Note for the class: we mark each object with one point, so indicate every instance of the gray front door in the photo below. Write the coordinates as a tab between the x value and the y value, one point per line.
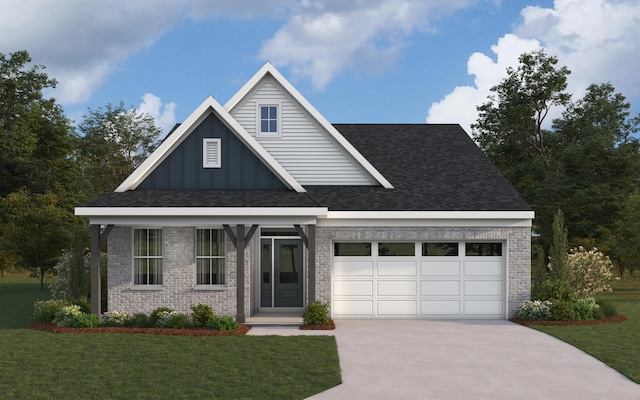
281	279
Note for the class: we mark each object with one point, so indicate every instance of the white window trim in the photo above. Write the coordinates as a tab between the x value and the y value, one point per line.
259	132
213	286
142	286
206	163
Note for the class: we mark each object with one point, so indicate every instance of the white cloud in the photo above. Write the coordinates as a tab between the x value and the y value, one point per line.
322	39
163	114
595	39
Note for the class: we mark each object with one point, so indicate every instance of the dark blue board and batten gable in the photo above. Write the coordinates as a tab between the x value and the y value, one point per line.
240	168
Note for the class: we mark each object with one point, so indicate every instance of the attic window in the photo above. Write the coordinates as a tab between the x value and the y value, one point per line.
268	120
211	153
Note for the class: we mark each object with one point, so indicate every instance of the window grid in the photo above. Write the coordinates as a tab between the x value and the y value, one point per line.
147	257
269	119
210	257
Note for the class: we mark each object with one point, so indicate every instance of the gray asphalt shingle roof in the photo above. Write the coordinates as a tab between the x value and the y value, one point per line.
432	167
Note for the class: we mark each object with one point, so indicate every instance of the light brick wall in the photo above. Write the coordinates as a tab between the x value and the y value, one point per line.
179	275
518	252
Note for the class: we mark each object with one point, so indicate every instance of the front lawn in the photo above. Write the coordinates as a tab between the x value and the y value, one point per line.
42	365
617	345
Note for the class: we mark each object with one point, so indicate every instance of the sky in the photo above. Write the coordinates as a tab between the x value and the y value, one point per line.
355	61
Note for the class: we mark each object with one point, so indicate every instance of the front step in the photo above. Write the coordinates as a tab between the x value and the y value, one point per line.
274	319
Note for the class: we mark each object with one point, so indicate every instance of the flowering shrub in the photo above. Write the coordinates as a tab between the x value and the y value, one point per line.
45	310
67	315
115	318
70	281
535	310
589	272
164	317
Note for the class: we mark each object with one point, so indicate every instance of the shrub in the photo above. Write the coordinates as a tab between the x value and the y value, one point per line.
557	291
45	310
562	310
85	320
66	317
85	305
202	313
115	318
225	323
584	308
155	314
535	310
606	309
589	272
178	321
316	313
164	318
138	320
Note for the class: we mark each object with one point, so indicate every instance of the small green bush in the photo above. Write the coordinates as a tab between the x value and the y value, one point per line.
115	318
67	316
45	310
85	305
584	309
155	314
606	309
316	313
138	320
535	310
178	321
202	313
225	323
85	320
557	290
562	311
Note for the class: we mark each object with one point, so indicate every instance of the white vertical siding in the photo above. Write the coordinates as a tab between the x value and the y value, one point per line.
304	149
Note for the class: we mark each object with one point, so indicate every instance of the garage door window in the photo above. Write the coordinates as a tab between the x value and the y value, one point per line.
483	249
352	249
440	249
396	249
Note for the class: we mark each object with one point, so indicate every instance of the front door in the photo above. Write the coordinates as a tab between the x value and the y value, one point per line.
281	273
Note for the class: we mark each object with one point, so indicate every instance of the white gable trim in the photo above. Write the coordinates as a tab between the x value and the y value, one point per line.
344	143
210	105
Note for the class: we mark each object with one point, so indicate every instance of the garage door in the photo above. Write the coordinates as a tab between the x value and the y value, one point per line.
418	280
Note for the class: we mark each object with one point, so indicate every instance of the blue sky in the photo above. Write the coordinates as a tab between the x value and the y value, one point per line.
375	61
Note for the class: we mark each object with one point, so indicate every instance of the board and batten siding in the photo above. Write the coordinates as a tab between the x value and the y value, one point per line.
303	149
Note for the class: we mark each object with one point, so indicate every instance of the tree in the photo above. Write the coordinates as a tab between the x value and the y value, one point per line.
558	261
626	239
36	140
36	230
114	141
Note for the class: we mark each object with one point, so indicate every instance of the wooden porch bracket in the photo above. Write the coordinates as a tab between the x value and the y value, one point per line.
98	240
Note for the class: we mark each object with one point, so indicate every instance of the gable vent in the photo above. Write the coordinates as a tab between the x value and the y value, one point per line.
211	153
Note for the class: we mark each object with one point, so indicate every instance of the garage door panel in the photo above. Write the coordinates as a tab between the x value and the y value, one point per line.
483	268
397	288
353	308
397	268
353	268
483	308
440	308
397	308
353	288
440	268
440	288
483	288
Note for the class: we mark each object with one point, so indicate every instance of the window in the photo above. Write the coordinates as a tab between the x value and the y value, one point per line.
147	257
268	120
210	257
396	249
483	249
440	249
211	157
352	249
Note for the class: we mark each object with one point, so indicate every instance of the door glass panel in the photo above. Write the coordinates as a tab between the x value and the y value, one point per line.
396	249
266	262
289	263
440	249
483	249
352	249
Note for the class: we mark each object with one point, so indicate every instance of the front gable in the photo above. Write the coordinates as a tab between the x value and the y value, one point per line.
303	142
235	167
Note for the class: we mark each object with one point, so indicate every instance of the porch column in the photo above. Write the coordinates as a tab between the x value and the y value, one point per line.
240	317
98	239
309	240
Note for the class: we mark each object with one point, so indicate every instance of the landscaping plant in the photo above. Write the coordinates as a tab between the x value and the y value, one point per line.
201	314
589	272
316	313
225	323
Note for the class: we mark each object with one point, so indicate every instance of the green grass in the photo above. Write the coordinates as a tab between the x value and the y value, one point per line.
617	345
42	365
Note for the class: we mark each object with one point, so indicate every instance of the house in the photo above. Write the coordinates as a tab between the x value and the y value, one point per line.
263	205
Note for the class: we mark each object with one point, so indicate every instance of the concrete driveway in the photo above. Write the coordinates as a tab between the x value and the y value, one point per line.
466	360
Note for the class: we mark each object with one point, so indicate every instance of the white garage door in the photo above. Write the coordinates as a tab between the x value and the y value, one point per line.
418	280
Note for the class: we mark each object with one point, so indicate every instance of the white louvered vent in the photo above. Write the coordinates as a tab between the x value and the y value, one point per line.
211	153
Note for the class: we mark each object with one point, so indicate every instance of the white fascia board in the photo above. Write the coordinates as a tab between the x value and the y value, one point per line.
352	151
428	218
202	221
201	211
449	215
209	105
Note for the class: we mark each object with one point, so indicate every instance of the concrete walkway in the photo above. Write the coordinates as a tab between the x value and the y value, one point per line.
462	360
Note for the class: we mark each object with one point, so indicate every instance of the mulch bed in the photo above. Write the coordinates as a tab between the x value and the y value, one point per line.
608	320
45	326
329	327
